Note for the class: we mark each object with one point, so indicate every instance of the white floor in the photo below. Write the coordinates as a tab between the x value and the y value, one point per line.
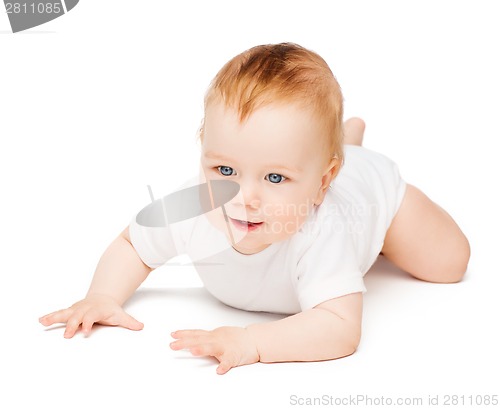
419	340
107	99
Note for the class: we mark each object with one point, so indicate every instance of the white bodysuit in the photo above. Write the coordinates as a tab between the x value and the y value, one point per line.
325	259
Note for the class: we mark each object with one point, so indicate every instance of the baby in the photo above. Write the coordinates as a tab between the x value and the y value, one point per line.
313	212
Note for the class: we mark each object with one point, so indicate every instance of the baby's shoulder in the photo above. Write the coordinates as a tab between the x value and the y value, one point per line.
359	155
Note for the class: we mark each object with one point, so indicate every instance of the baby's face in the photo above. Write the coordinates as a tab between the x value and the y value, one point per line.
278	158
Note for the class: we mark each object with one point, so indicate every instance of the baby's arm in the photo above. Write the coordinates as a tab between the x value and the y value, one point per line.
328	331
119	273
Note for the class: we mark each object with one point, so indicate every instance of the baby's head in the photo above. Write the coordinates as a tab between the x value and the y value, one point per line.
273	123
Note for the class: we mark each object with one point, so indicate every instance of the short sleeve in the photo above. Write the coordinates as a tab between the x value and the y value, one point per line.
157	245
329	267
154	245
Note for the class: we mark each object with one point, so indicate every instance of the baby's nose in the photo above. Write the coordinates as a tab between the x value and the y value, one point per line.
254	204
250	196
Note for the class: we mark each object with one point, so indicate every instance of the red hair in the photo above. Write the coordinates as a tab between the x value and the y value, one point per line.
282	73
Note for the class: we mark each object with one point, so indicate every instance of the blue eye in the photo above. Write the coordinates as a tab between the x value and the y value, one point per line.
225	170
275	178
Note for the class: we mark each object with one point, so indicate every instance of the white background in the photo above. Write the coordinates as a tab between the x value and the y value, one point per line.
107	99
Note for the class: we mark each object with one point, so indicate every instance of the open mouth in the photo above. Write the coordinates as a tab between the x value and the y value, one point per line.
245	225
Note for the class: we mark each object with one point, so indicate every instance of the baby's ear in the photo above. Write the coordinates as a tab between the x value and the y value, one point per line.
330	173
199	134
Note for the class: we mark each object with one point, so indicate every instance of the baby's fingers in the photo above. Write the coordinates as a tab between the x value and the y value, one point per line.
215	350
224	367
129	322
186	339
68	316
72	324
89	319
58	317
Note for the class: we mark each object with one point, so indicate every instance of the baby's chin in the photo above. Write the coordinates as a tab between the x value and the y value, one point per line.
249	250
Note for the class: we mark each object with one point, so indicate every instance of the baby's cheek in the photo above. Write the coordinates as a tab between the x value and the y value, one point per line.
290	217
284	226
215	218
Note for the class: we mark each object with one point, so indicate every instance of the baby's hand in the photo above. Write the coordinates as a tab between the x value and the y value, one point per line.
232	346
99	309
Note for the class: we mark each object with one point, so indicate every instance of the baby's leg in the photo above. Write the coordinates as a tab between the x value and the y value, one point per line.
354	128
425	241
